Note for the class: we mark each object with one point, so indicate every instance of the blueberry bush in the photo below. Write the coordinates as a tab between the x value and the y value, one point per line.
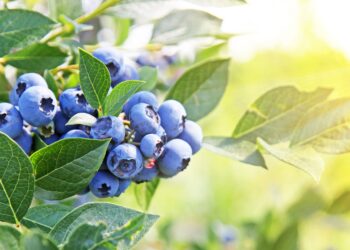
84	117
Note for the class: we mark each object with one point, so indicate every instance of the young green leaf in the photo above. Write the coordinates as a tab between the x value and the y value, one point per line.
201	87
326	128
37	57
243	151
45	217
276	113
95	80
16	181
216	51
303	158
115	217
66	167
36	240
82	119
144	193
19	28
150	76
119	95
9	237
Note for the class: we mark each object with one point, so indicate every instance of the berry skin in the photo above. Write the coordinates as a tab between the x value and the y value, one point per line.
125	161
104	184
192	134
23	83
173	116
175	158
49	140
123	185
72	101
162	134
108	127
60	121
144	119
11	122
75	133
151	146
148	173
25	140
130	73
38	106
113	61
140	97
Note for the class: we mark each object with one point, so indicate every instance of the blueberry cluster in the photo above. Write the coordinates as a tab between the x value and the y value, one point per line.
148	140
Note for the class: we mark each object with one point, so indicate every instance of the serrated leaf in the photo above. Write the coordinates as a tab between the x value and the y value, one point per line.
144	193
19	28
275	114
66	167
82	119
51	82
303	158
115	217
37	57
9	238
45	217
341	204
16	181
37	240
168	30
95	80
326	128
119	95
200	88
150	76
243	151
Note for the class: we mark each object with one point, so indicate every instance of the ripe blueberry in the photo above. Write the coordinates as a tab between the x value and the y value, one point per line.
25	140
104	184
162	134
75	133
152	146
11	122
108	127
60	121
51	139
173	116
144	119
148	173
38	106
175	158
72	101
130	73
140	97
125	161
192	134
123	185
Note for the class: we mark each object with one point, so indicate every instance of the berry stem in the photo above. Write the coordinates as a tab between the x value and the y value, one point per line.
65	68
126	122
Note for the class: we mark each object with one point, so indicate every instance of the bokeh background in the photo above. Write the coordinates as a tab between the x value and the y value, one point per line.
218	203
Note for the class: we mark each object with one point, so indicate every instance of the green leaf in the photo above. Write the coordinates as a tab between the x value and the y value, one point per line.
122	27
340	204
275	114
200	88
144	193
119	95
168	30
82	119
216	51
16	181
288	239
115	217
326	128
150	76
303	158
4	96
19	28
45	217
38	142
71	9
36	240
9	238
51	82
94	79
37	57
66	167
243	151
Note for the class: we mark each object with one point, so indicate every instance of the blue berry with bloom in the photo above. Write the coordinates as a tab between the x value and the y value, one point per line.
11	122
104	184
108	127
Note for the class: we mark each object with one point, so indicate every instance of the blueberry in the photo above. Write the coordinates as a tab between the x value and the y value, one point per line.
104	184
49	140
140	97
130	73
38	106
75	133
60	121
123	185
144	119
125	161
72	101
11	122
192	134
151	146
108	127
173	116
25	140
162	134
113	61
175	158
148	173
23	83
